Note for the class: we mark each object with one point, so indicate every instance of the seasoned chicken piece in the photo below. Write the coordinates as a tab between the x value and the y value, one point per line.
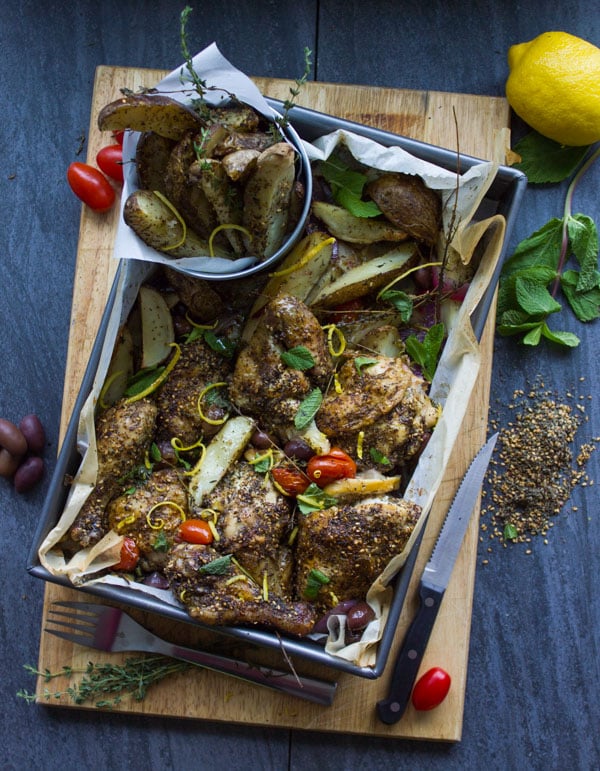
350	546
123	434
90	524
151	515
198	295
216	591
263	385
386	401
177	400
252	514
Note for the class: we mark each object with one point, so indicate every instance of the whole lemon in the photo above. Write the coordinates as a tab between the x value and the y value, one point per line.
554	86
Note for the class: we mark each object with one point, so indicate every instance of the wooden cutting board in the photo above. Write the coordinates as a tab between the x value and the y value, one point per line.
198	694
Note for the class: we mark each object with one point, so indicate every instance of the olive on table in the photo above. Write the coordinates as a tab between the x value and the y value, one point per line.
12	438
28	474
261	440
32	429
9	463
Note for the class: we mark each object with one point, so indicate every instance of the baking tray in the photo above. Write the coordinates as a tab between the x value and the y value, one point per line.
503	197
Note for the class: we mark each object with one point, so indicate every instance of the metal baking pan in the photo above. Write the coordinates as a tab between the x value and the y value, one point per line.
503	198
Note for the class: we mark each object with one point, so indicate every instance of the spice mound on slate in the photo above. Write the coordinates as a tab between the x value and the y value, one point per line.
536	465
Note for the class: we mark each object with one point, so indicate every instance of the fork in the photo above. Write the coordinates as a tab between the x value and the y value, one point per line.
110	629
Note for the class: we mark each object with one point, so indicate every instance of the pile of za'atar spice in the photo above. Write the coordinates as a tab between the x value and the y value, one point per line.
535	466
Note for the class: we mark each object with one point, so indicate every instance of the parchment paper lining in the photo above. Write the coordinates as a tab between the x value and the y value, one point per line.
452	386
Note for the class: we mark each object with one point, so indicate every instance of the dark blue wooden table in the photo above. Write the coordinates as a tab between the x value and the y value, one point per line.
532	697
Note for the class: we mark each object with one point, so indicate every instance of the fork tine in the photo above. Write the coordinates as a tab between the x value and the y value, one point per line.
70	622
74	638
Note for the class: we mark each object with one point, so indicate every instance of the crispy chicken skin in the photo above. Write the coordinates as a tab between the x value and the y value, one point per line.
252	514
151	514
230	596
177	400
351	545
123	434
386	401
262	384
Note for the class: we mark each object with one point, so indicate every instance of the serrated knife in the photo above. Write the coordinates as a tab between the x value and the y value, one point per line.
432	586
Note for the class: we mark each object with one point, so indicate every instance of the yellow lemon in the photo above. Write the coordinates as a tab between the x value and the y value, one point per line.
554	86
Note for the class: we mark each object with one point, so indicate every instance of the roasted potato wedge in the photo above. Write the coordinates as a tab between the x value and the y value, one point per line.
365	278
152	157
120	369
409	204
267	198
298	282
158	227
361	487
357	230
222	196
240	164
145	112
222	452
158	334
186	195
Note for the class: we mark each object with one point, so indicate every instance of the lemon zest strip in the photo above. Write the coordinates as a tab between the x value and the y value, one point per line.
160	379
225	226
332	330
310	254
211	421
405	274
178	217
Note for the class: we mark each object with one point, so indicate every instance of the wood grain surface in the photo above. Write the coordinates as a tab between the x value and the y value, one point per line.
429	116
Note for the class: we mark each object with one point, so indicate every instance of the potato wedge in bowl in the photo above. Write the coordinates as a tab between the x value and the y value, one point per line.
227	181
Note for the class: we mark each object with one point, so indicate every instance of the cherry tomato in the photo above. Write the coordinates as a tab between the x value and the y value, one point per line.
336	464
431	689
130	556
195	531
110	161
90	186
118	136
292	481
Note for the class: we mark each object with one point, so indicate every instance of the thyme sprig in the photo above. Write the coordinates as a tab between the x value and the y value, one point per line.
105	684
198	83
295	91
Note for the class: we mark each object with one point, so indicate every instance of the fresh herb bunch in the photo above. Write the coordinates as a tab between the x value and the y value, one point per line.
532	277
104	685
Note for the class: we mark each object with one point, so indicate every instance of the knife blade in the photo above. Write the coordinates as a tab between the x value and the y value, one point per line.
433	583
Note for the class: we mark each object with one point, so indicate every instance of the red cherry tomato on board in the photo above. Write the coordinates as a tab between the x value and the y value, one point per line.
130	556
118	136
291	481
90	186
110	161
336	464
195	531
431	689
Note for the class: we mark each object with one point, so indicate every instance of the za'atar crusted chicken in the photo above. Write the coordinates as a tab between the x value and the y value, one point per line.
259	562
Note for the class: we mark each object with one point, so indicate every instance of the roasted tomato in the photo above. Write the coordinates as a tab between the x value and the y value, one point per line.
90	186
130	556
292	481
336	464
195	531
110	161
431	689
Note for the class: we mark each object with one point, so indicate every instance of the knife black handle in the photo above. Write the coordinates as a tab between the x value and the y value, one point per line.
409	659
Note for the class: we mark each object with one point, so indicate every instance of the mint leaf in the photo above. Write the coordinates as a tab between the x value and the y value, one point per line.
363	361
401	301
308	409
584	303
217	567
567	339
426	353
583	239
314	499
534	298
347	187
544	160
298	358
540	248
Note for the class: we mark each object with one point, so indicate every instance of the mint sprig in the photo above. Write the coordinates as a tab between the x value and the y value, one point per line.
532	277
347	187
